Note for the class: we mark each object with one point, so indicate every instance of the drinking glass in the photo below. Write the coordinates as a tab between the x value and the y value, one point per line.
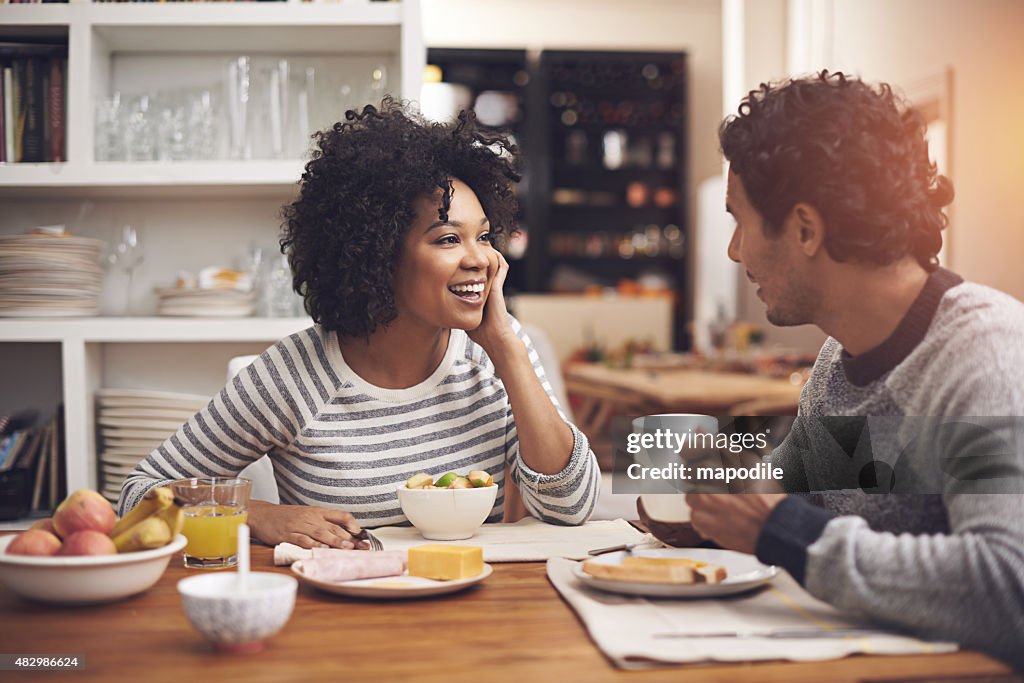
140	130
202	142
123	259
278	298
214	509
107	143
238	95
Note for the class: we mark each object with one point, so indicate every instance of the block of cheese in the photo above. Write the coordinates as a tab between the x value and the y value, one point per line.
446	562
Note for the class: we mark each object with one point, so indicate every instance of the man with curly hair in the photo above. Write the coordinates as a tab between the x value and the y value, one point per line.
839	214
413	364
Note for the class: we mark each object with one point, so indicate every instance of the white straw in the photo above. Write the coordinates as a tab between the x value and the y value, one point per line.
243	557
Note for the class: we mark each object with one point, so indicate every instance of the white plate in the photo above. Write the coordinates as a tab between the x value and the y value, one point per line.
111	392
180	405
129	451
147	413
111	490
112	471
212	312
145	444
141	423
159	435
391	587
33	312
745	573
121	459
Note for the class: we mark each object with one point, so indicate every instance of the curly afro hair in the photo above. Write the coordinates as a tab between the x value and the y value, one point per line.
344	233
853	151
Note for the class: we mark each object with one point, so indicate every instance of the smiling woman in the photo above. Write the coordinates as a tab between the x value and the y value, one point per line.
414	364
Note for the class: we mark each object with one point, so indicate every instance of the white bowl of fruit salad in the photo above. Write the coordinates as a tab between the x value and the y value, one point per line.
450	508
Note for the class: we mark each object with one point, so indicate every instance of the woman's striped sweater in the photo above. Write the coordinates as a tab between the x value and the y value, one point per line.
336	441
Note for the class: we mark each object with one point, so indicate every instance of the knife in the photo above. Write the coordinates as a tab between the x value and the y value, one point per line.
785	633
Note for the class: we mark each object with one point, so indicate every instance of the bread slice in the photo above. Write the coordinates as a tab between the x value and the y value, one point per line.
663	562
712	573
657	570
641	573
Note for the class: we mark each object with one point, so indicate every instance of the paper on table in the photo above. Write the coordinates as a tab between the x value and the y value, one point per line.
624	627
528	540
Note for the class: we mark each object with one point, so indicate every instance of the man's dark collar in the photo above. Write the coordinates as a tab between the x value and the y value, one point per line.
867	367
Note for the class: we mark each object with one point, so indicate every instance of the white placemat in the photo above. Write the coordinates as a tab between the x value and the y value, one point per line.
625	628
528	540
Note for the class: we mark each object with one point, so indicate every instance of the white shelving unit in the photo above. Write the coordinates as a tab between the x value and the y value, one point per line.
210	207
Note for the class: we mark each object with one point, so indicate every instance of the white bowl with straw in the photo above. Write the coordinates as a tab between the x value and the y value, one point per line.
238	611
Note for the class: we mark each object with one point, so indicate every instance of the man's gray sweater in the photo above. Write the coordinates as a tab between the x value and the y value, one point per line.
945	562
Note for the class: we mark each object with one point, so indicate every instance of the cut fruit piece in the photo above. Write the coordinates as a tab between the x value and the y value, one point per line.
446	479
479	478
460	483
419	480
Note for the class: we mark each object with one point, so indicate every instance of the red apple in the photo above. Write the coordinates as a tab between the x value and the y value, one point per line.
84	510
34	542
88	543
46	524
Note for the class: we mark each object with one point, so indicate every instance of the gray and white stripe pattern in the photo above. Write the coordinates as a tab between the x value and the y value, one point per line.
336	441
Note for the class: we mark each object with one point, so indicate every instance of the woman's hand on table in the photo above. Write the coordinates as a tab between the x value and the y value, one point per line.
306	526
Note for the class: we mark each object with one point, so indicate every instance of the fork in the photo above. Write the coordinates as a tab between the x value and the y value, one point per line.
365	535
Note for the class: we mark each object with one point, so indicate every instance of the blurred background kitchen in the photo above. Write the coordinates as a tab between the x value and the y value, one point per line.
163	139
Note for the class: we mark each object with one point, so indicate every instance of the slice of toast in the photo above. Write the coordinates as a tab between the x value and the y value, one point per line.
663	562
641	573
708	573
712	573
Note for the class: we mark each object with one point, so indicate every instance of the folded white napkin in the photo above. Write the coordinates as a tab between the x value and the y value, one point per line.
624	627
529	540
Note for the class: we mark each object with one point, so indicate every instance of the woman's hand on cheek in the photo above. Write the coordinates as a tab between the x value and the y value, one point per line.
495	329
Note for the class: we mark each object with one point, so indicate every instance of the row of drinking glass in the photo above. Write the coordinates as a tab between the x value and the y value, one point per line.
264	108
165	126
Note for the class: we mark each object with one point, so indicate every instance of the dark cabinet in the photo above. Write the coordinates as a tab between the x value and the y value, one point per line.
604	151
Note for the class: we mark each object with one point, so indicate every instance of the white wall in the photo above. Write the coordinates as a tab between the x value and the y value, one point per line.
762	57
983	42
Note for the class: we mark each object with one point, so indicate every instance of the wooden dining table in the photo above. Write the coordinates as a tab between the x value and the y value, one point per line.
511	627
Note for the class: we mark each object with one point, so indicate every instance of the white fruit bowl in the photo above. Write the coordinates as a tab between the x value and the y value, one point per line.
87	579
447	514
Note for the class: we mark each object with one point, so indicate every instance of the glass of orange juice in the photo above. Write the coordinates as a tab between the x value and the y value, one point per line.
214	508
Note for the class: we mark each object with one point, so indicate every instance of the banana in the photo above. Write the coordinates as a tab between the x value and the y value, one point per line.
155	500
152	532
174	516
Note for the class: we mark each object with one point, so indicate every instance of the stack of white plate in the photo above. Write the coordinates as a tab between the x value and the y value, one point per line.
209	303
132	423
49	275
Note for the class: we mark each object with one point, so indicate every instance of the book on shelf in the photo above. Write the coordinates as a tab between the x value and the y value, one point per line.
8	131
35	455
33	92
3	119
34	101
55	107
